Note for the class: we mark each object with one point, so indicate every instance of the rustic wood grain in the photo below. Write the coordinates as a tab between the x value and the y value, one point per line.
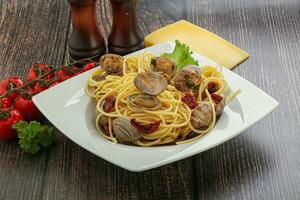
262	163
77	174
30	31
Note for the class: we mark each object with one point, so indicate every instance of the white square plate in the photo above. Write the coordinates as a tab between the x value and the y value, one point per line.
69	109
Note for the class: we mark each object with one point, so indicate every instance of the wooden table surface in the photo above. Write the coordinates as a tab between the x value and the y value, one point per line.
261	163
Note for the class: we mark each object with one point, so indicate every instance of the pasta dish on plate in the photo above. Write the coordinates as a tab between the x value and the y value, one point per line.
146	100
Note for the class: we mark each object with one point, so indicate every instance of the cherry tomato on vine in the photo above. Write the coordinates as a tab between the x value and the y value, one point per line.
88	66
7	119
54	84
5	102
27	108
67	72
9	84
39	69
37	88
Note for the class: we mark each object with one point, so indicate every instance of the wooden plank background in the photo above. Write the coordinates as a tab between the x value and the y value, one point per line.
261	163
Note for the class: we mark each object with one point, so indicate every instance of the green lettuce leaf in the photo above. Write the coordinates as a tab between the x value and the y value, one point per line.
181	55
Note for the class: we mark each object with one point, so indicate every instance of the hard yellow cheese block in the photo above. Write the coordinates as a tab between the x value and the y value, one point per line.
201	41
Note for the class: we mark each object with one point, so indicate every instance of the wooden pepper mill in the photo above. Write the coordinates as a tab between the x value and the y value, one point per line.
86	39
126	35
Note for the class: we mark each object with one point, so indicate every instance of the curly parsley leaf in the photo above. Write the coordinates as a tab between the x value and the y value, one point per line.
34	136
181	55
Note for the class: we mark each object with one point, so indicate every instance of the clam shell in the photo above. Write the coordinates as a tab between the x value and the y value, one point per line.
124	131
98	76
188	79
144	101
150	83
166	66
201	115
112	64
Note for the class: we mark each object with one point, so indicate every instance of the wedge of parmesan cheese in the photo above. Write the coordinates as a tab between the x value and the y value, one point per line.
201	41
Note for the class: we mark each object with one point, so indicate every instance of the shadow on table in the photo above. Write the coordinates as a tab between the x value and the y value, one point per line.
226	170
235	169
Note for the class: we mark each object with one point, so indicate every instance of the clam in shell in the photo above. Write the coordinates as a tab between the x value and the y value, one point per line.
188	79
166	66
124	131
202	115
144	101
98	75
112	64
150	83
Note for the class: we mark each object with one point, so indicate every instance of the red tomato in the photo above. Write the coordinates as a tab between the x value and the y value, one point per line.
54	84
27	108
190	100
88	66
145	128
5	103
37	88
2	90
10	83
7	119
212	87
67	72
39	69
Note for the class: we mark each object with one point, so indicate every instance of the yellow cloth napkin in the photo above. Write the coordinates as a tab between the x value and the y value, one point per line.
201	41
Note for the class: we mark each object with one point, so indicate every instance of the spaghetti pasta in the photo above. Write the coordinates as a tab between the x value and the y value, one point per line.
113	92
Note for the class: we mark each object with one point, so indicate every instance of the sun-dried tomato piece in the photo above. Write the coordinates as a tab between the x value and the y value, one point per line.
109	104
145	128
190	100
217	98
212	87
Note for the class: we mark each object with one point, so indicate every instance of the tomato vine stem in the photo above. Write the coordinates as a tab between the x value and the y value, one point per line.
22	89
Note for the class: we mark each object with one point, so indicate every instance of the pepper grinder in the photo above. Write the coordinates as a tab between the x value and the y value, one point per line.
86	39
126	35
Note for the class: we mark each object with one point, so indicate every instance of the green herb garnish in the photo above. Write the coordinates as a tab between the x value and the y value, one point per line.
181	55
33	136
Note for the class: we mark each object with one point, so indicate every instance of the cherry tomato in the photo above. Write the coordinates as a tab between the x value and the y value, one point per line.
27	108
10	83
88	66
54	84
37	88
67	72
39	69
7	119
5	103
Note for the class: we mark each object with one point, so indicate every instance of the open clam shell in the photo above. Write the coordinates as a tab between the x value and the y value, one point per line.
144	101
202	115
188	79
124	131
150	83
97	76
166	66
112	64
